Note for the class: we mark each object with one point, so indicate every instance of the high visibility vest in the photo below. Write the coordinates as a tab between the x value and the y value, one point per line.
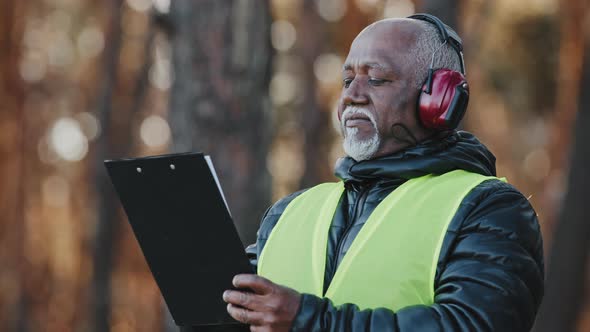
392	261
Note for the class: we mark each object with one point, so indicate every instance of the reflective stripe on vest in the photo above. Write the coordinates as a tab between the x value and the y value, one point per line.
392	261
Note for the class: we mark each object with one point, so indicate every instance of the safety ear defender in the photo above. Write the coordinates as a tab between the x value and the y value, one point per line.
443	99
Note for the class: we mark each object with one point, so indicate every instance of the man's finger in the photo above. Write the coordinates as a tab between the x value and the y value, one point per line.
259	328
257	284
244	315
243	299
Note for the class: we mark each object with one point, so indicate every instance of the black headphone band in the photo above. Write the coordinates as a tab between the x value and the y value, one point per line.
446	33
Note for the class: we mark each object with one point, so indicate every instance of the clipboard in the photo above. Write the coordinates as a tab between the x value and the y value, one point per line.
181	221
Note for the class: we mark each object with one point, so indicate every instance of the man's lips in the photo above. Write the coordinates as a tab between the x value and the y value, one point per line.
356	120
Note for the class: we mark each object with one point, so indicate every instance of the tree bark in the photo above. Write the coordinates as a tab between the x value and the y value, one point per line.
571	243
219	103
569	72
14	310
107	204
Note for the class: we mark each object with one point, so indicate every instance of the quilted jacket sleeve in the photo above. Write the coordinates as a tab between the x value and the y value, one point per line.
490	278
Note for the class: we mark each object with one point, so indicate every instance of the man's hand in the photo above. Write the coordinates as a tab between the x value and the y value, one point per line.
266	307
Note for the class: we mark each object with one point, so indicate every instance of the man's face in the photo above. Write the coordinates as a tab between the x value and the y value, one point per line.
377	103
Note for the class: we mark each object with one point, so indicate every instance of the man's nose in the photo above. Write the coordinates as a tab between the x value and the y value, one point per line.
355	93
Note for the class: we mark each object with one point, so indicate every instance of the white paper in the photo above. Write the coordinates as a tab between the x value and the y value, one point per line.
212	169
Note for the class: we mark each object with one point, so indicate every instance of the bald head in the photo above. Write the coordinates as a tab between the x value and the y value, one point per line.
416	41
393	28
390	39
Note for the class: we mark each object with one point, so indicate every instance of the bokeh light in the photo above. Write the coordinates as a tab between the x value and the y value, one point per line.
90	42
328	68
139	5
67	139
33	67
398	8
284	162
33	35
283	35
537	164
45	153
283	88
331	10
367	6
89	124
154	131
61	51
163	6
160	74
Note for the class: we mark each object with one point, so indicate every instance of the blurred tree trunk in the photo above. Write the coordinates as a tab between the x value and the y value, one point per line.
571	54
14	297
446	10
219	104
315	121
566	275
107	206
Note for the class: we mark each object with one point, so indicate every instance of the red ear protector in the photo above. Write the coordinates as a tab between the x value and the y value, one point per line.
444	96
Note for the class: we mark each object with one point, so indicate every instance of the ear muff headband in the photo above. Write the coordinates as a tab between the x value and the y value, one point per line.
446	33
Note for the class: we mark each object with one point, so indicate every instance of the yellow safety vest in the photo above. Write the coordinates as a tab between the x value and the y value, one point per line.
391	262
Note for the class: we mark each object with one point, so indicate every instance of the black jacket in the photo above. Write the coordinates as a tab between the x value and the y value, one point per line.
490	271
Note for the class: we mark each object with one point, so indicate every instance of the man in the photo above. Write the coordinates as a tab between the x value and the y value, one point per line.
418	236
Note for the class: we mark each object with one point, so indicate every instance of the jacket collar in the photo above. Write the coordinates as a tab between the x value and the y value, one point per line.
459	150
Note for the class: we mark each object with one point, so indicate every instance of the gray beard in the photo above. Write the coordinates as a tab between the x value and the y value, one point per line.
360	149
355	148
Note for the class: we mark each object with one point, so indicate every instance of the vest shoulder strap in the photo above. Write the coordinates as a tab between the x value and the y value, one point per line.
298	236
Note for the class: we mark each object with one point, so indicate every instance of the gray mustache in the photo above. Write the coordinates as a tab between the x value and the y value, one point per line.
352	110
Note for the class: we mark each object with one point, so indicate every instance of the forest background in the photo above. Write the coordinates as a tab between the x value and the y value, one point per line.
254	84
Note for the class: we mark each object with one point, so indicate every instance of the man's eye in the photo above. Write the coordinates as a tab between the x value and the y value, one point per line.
377	81
346	82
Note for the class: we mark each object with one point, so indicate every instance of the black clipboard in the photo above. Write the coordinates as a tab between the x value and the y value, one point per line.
181	221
